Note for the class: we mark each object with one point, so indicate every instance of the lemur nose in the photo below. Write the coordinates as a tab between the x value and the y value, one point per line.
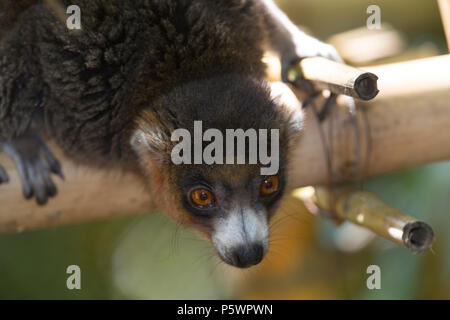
247	255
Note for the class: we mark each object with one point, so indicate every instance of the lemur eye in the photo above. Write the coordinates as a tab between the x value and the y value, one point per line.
203	198
269	185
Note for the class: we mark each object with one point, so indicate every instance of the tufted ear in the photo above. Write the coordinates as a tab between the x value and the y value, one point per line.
151	142
291	107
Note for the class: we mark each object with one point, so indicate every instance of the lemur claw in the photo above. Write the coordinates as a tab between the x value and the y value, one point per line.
35	163
300	81
303	47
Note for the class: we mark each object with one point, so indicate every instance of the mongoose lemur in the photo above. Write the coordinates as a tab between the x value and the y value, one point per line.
111	93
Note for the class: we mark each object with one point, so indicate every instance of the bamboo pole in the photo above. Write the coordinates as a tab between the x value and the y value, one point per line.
85	195
409	126
338	78
366	209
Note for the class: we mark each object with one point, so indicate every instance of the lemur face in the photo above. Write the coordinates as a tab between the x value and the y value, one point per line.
228	203
234	204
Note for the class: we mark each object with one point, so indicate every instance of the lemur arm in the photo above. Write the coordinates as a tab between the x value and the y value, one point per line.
289	42
21	101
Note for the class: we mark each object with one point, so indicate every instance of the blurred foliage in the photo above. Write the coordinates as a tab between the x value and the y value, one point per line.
170	261
418	19
149	257
425	194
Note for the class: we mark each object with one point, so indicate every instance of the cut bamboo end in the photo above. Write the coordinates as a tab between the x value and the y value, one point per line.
417	236
338	78
366	209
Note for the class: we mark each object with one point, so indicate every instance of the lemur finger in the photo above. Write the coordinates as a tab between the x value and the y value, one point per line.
27	189
331	53
286	65
53	163
3	175
299	81
302	83
319	49
37	184
21	169
334	55
50	187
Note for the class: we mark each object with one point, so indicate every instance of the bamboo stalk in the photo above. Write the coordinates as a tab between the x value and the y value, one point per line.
366	209
336	77
409	126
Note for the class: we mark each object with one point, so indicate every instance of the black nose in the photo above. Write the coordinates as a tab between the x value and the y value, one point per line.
247	255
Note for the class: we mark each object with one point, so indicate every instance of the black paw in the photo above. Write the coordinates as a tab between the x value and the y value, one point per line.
35	163
304	46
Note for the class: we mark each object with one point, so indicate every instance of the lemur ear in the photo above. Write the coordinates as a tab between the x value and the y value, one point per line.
151	139
150	143
283	96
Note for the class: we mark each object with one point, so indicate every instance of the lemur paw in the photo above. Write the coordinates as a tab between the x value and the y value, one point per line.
35	163
304	46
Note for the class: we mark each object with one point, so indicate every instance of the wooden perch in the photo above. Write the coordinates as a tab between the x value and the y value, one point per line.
366	209
409	125
336	77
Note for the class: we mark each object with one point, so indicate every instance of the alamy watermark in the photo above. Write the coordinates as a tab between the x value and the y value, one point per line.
73	21
374	20
221	150
374	280
74	280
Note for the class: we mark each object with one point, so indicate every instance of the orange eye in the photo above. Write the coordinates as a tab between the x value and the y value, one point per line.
269	186
203	198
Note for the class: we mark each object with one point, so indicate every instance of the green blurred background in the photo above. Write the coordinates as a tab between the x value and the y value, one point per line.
148	257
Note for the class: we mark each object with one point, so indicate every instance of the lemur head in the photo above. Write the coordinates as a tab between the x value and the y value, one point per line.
228	203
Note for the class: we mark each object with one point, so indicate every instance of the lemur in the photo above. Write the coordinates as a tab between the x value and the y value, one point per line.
111	93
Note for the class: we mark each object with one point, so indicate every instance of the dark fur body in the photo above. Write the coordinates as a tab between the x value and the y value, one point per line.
112	93
86	87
